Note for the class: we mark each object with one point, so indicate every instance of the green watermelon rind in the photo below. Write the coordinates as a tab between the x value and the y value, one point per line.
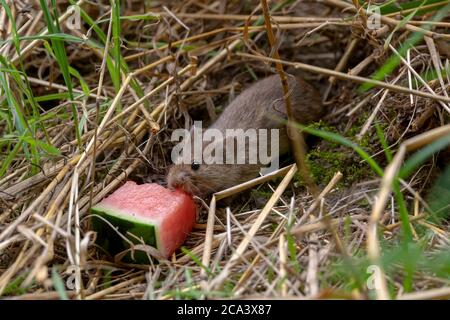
144	228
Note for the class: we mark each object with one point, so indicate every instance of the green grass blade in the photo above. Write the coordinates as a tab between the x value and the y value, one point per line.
393	61
59	285
422	155
438	198
109	61
196	259
402	23
61	57
137	17
382	138
115	4
55	36
7	162
394	6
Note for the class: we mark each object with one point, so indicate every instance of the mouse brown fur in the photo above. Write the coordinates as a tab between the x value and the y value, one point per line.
261	106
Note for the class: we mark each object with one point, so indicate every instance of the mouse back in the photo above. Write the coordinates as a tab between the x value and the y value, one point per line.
262	105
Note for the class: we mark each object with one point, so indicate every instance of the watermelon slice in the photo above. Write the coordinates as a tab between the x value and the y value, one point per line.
160	217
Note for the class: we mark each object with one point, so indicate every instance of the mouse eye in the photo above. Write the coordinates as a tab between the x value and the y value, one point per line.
195	166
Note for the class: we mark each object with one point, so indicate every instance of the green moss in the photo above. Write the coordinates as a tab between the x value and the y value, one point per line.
15	288
327	158
324	164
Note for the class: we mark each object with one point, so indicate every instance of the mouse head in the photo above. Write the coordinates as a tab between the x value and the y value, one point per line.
190	172
214	162
200	166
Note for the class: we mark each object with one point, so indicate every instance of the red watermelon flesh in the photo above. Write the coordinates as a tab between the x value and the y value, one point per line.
163	218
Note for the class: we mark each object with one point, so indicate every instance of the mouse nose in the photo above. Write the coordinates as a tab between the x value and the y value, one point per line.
183	176
177	180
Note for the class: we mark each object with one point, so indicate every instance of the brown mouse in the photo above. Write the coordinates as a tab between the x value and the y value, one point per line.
261	106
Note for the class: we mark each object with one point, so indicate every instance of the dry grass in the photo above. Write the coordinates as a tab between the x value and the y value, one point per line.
275	237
